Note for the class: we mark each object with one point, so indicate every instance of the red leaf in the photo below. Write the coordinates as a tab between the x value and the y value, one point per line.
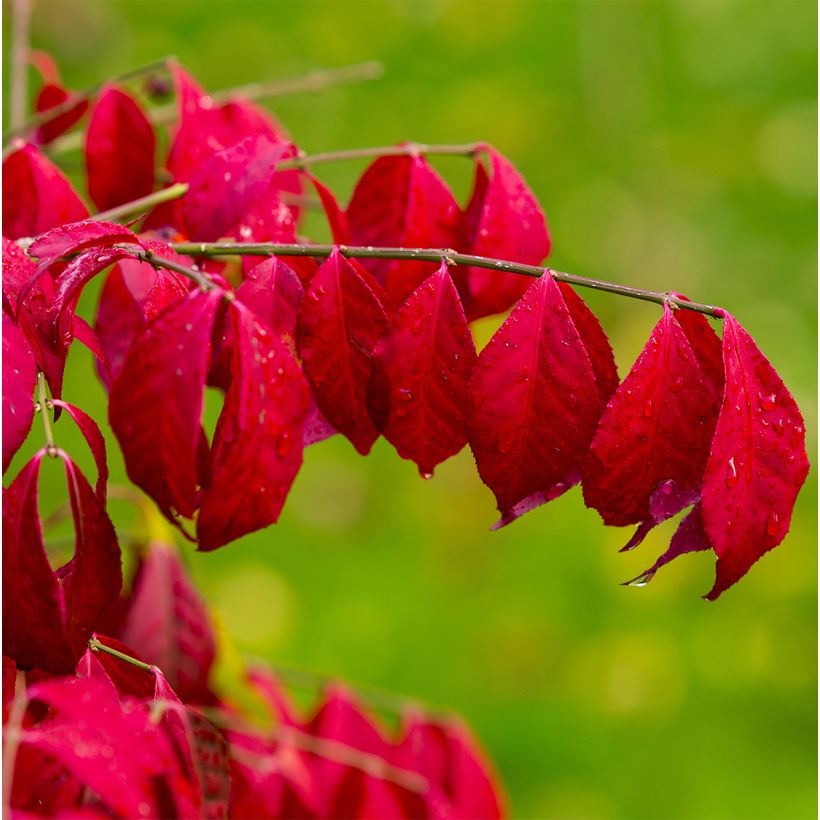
36	195
119	150
757	462
127	678
502	220
534	403
447	755
594	340
226	185
336	217
51	614
77	236
655	429
340	323
50	96
134	293
168	624
402	201
156	402
96	443
85	335
257	448
19	379
114	748
421	367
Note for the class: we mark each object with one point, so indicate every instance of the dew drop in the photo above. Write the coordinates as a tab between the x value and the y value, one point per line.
284	445
648	409
406	394
731	473
767	401
773	524
425	476
676	384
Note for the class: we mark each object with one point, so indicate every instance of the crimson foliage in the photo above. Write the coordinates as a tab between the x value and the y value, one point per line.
301	349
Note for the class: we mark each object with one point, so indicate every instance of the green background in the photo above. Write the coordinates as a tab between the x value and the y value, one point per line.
673	146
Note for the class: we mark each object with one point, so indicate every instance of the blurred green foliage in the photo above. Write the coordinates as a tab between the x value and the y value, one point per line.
673	146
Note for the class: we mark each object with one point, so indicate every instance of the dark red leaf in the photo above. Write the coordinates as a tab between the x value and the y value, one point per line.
757	462
19	379
127	678
51	615
503	220
36	195
119	150
168	623
156	402
402	201
655	429
340	323
96	443
534	403
421	366
77	236
50	96
257	448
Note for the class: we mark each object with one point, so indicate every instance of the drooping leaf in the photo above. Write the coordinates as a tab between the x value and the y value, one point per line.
96	443
503	220
119	150
156	402
19	378
336	217
655	429
400	201
757	462
340	323
51	614
36	195
257	448
168	623
534	403
421	366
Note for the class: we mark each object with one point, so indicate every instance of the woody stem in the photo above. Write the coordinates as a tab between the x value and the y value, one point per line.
303	161
139	206
215	249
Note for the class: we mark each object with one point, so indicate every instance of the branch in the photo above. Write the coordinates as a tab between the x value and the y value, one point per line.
43	405
50	114
139	206
469	149
213	249
20	25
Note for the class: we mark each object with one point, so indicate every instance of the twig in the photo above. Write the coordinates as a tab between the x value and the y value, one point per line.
213	249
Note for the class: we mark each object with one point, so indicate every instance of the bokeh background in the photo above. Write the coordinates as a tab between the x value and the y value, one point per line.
673	146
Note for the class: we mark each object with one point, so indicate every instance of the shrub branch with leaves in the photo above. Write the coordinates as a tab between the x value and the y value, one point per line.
210	285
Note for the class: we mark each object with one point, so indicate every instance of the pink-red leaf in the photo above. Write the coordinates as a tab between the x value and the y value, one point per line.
119	150
421	366
257	448
757	462
502	220
168	623
36	195
19	378
534	403
448	756
226	185
113	747
50	96
402	201
156	402
340	323
656	428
